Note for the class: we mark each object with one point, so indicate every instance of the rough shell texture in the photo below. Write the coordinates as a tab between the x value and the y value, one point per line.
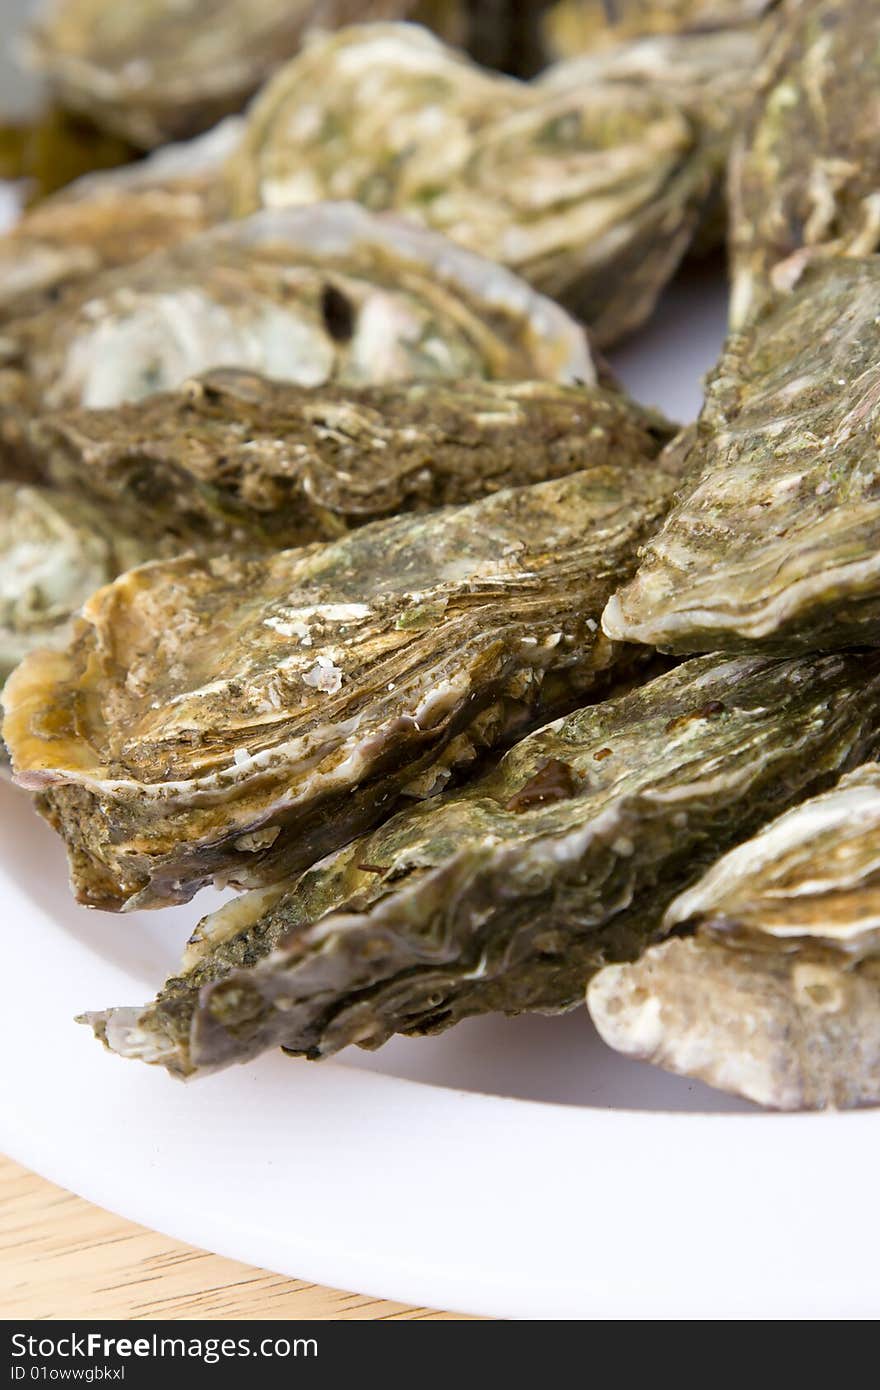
233	458
242	718
116	217
775	991
54	552
158	70
774	537
708	75
508	894
326	293
805	171
579	26
591	189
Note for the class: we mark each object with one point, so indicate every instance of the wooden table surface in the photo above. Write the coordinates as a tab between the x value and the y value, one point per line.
61	1257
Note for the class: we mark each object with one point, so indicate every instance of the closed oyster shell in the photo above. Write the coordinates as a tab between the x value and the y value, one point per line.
233	458
384	114
241	718
773	540
774	993
590	189
54	552
508	894
309	295
805	169
709	74
116	217
156	70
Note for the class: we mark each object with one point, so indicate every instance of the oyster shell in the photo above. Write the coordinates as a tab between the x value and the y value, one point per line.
509	893
241	718
773	539
310	295
709	75
54	552
115	218
233	458
590	189
578	26
775	991
156	70
384	114
805	169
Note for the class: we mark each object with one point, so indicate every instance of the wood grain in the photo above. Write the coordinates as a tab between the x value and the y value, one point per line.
61	1257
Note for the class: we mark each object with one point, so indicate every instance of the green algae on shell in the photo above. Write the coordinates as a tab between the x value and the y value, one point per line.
236	718
773	990
773	538
805	168
508	894
234	458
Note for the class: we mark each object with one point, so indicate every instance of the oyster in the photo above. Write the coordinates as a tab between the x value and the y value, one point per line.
508	894
158	70
384	114
709	75
591	189
242	717
233	458
116	217
310	295
805	169
773	539
54	552
774	992
578	26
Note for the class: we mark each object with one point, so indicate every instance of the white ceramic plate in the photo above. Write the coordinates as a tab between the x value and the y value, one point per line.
514	1168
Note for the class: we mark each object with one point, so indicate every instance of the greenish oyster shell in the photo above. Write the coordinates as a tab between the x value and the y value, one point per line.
384	114
311	295
805	169
591	189
115	217
773	538
158	70
706	77
774	991
571	27
238	719
709	74
508	894
232	458
54	552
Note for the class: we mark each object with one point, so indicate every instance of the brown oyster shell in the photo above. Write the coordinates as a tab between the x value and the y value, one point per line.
508	894
242	717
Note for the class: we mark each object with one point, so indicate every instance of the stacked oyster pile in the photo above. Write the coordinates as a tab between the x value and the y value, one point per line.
319	504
